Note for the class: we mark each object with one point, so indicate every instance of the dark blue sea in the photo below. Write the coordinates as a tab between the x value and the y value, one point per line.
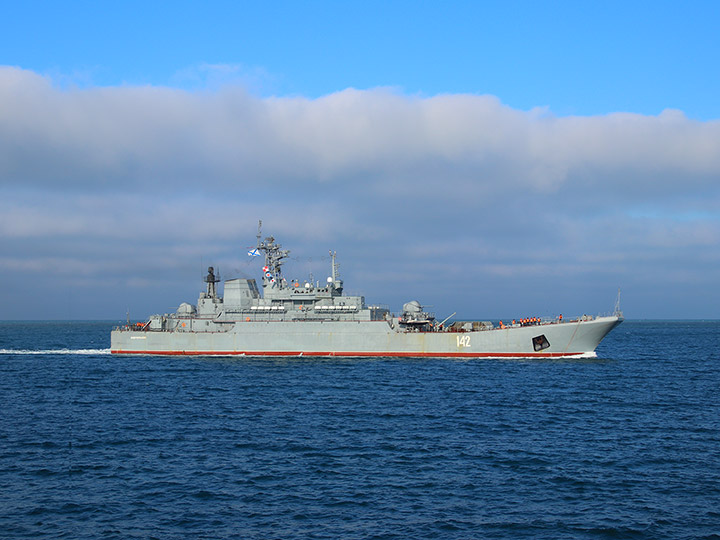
625	446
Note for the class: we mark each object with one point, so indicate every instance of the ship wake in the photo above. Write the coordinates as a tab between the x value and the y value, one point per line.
55	351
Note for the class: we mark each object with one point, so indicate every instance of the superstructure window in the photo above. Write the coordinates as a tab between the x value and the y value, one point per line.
540	342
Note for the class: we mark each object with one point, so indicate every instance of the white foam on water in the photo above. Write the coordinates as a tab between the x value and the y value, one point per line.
592	354
55	351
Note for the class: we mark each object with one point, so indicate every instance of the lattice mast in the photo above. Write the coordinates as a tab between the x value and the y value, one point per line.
274	256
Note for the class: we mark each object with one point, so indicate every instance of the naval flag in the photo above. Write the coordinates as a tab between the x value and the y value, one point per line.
254	253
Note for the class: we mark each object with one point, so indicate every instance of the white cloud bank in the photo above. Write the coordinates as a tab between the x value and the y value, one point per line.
107	188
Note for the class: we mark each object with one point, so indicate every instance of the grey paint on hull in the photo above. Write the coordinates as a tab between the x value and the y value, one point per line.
371	338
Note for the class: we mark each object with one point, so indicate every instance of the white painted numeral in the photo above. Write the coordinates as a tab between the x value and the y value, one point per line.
463	341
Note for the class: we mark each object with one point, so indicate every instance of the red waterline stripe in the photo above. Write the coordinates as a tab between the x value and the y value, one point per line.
352	354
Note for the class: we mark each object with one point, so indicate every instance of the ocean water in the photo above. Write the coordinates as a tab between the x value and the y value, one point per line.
624	446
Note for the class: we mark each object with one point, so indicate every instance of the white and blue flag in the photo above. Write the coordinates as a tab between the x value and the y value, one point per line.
254	253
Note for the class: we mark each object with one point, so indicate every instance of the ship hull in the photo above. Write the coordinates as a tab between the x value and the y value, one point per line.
367	339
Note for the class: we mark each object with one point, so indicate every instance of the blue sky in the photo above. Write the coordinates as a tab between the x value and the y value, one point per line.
574	57
499	159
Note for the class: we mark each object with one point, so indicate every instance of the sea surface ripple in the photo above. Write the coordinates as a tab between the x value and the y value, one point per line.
626	445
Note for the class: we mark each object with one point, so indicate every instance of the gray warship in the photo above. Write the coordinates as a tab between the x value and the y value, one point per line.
298	319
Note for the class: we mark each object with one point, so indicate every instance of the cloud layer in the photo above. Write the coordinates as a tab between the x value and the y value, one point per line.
112	196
